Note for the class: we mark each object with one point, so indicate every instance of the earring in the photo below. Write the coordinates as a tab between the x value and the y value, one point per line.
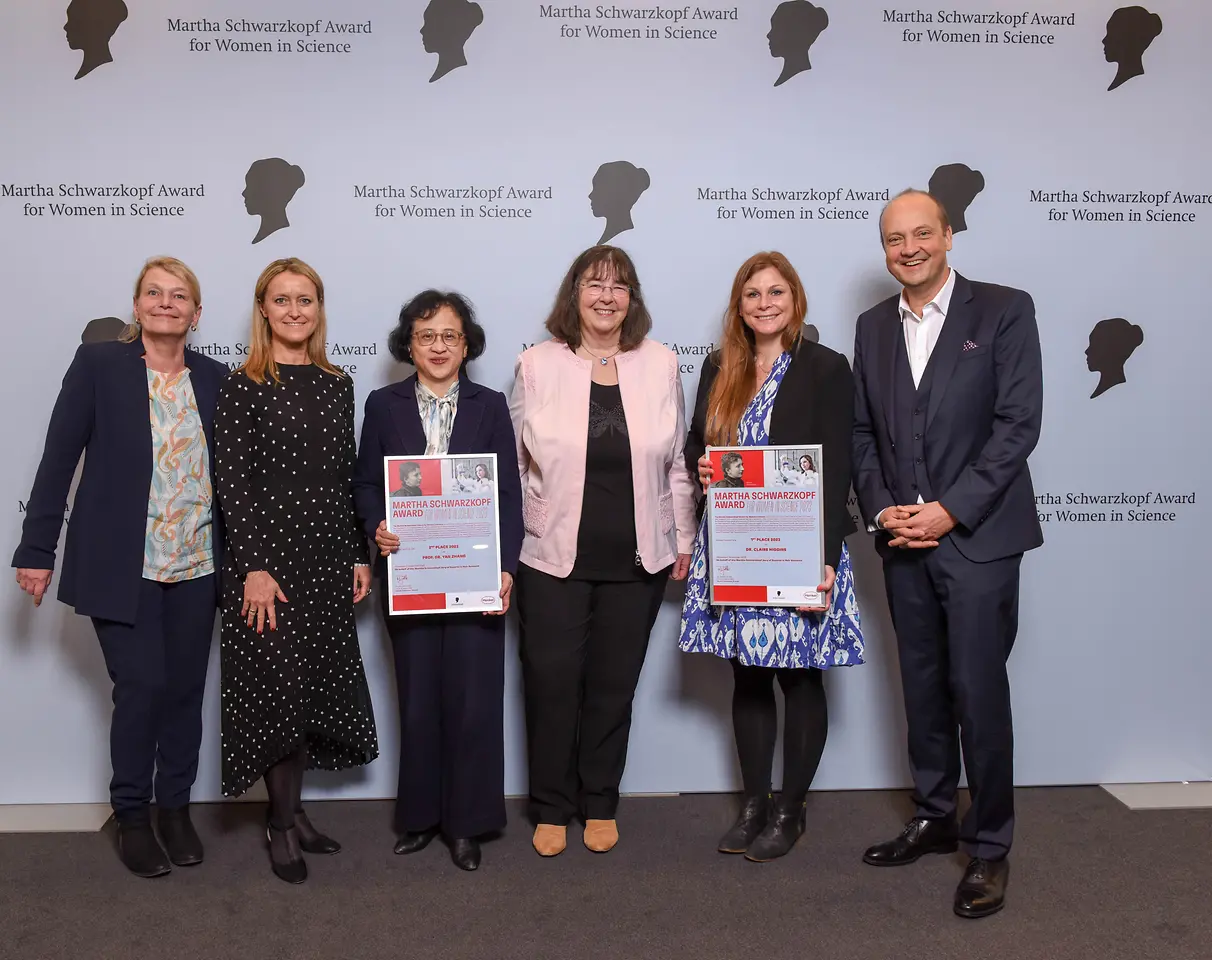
193	326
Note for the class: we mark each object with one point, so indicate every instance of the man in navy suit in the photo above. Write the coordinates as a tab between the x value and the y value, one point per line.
949	398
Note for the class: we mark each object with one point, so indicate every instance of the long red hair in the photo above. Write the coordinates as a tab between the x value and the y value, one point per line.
736	383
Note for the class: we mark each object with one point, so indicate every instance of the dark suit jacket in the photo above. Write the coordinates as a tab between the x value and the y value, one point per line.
983	418
815	404
102	412
392	428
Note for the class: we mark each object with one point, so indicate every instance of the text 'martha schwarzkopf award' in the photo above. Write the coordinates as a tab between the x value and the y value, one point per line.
764	512
444	510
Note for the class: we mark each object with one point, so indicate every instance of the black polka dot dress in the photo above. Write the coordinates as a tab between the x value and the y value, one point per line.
284	457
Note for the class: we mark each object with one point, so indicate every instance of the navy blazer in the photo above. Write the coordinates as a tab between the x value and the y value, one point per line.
982	420
392	427
102	412
815	404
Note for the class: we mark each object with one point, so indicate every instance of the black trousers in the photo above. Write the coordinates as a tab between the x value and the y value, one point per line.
158	667
955	622
450	680
583	645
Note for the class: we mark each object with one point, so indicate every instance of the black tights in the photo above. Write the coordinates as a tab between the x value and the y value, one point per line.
284	783
755	724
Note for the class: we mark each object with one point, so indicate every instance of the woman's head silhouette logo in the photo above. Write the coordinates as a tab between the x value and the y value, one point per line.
616	188
794	27
955	186
102	329
269	186
90	25
1112	342
1129	33
447	27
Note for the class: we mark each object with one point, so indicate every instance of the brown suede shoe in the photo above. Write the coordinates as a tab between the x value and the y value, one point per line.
601	835
549	839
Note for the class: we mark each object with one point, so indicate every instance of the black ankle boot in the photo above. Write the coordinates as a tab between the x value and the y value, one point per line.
751	821
285	855
784	828
312	840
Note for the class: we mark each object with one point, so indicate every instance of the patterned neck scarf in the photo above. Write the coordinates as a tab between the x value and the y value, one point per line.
437	416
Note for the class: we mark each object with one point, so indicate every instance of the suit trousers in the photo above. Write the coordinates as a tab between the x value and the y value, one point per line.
450	681
583	645
158	668
955	623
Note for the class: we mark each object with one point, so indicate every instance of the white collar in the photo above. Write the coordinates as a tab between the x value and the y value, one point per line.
941	300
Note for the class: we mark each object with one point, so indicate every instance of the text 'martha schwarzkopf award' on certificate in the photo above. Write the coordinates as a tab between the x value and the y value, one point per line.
444	510
764	513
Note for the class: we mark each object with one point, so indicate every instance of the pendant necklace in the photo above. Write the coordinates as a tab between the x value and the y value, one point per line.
601	360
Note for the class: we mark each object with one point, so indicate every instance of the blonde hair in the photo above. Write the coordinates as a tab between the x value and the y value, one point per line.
736	382
260	366
169	265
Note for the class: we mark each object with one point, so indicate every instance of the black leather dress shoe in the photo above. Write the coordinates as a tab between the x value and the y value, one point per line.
920	836
982	892
180	838
312	840
465	854
412	842
285	856
139	850
755	813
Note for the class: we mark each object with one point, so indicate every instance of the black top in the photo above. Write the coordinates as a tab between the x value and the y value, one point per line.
815	404
606	547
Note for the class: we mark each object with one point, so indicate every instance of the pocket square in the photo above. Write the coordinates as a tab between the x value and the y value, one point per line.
969	345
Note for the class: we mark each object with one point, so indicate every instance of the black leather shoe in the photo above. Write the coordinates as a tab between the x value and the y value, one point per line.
782	831
465	854
752	820
412	842
139	850
179	836
982	892
920	836
285	855
312	840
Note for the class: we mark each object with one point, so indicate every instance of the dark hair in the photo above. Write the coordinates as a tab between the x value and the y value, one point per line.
487	471
423	307
407	467
811	464
597	263
731	457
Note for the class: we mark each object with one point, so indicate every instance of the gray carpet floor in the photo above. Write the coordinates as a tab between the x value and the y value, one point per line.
1089	879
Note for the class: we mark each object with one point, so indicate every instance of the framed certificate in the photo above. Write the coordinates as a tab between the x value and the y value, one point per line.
444	510
764	526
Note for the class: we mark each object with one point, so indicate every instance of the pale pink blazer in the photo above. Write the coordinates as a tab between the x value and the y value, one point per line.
550	410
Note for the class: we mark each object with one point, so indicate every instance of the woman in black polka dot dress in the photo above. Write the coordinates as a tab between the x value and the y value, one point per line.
294	688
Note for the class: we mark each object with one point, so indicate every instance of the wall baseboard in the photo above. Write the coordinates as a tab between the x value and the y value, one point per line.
1186	795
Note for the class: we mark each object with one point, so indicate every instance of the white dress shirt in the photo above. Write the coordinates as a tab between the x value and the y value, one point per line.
921	335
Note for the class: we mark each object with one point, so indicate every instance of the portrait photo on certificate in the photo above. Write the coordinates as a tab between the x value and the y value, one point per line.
764	526
444	510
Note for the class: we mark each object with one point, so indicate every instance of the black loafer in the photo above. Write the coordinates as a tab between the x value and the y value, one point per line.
465	854
139	850
414	842
982	892
920	837
180	838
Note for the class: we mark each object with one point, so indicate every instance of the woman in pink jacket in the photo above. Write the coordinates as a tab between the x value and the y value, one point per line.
608	510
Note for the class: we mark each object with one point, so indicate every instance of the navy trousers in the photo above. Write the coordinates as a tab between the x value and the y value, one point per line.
955	622
158	667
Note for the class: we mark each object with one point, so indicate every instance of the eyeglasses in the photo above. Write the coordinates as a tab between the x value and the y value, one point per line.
426	338
597	289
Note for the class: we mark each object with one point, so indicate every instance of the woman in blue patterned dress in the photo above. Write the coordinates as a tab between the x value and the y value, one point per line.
768	385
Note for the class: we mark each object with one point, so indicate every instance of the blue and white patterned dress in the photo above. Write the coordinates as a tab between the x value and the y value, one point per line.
770	636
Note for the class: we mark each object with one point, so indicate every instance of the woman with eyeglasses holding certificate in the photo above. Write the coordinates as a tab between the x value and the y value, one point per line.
450	668
609	517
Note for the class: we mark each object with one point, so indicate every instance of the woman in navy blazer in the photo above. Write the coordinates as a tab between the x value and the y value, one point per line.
450	668
143	544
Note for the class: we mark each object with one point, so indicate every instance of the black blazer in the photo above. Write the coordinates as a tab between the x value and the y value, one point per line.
392	427
815	404
102	412
982	420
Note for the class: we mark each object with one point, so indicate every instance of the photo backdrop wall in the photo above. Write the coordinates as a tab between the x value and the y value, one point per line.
480	146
